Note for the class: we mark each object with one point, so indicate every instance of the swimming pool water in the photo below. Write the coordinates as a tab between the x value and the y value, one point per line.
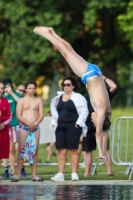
66	192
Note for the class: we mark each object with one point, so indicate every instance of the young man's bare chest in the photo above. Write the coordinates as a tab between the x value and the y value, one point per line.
30	105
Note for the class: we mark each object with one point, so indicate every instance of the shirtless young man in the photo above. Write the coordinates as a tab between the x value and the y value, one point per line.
29	113
90	75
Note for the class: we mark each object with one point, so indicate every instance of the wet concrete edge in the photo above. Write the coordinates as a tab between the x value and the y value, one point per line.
82	182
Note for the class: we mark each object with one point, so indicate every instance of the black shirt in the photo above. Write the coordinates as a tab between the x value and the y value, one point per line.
67	112
89	123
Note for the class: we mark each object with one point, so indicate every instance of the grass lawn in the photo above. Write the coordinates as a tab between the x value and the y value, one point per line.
119	171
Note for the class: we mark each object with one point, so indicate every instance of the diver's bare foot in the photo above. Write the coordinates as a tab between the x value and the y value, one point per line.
51	30
41	30
94	118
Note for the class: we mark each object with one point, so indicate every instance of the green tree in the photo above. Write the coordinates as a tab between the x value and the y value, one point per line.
92	27
23	54
125	21
107	46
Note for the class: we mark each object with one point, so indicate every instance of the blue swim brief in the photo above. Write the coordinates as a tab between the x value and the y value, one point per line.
92	70
26	128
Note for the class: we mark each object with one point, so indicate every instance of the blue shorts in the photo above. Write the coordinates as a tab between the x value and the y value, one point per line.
92	70
67	137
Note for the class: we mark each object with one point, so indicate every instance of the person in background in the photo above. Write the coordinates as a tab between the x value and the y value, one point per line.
5	119
50	151
50	147
81	153
12	98
69	112
21	90
89	142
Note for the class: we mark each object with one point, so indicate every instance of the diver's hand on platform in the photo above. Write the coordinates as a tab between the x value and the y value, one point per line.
94	118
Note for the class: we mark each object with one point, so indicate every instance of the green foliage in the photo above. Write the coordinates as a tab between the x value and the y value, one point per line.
101	19
108	47
126	23
24	50
99	31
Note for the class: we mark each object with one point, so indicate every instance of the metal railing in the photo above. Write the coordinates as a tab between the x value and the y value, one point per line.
122	143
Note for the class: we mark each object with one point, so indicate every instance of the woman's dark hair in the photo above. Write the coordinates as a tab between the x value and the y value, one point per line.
31	82
73	81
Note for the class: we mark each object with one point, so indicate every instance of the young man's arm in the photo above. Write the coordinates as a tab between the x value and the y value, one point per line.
9	91
40	112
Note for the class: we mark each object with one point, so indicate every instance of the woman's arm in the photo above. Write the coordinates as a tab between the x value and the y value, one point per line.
54	113
82	109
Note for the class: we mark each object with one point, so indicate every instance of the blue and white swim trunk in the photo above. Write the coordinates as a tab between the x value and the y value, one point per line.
92	70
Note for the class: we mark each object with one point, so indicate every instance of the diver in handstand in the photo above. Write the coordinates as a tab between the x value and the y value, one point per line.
90	75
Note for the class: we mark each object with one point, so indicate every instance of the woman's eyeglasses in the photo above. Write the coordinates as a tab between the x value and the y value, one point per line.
67	84
21	90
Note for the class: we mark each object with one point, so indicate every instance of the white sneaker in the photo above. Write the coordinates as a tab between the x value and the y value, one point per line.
74	176
58	177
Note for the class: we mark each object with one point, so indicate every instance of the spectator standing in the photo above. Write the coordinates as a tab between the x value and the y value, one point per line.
12	98
69	112
5	119
50	147
30	113
21	90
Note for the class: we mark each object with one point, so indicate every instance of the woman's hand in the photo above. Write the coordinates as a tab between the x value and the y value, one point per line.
2	126
77	126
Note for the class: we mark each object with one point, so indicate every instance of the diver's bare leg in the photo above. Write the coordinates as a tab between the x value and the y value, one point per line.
78	65
66	43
